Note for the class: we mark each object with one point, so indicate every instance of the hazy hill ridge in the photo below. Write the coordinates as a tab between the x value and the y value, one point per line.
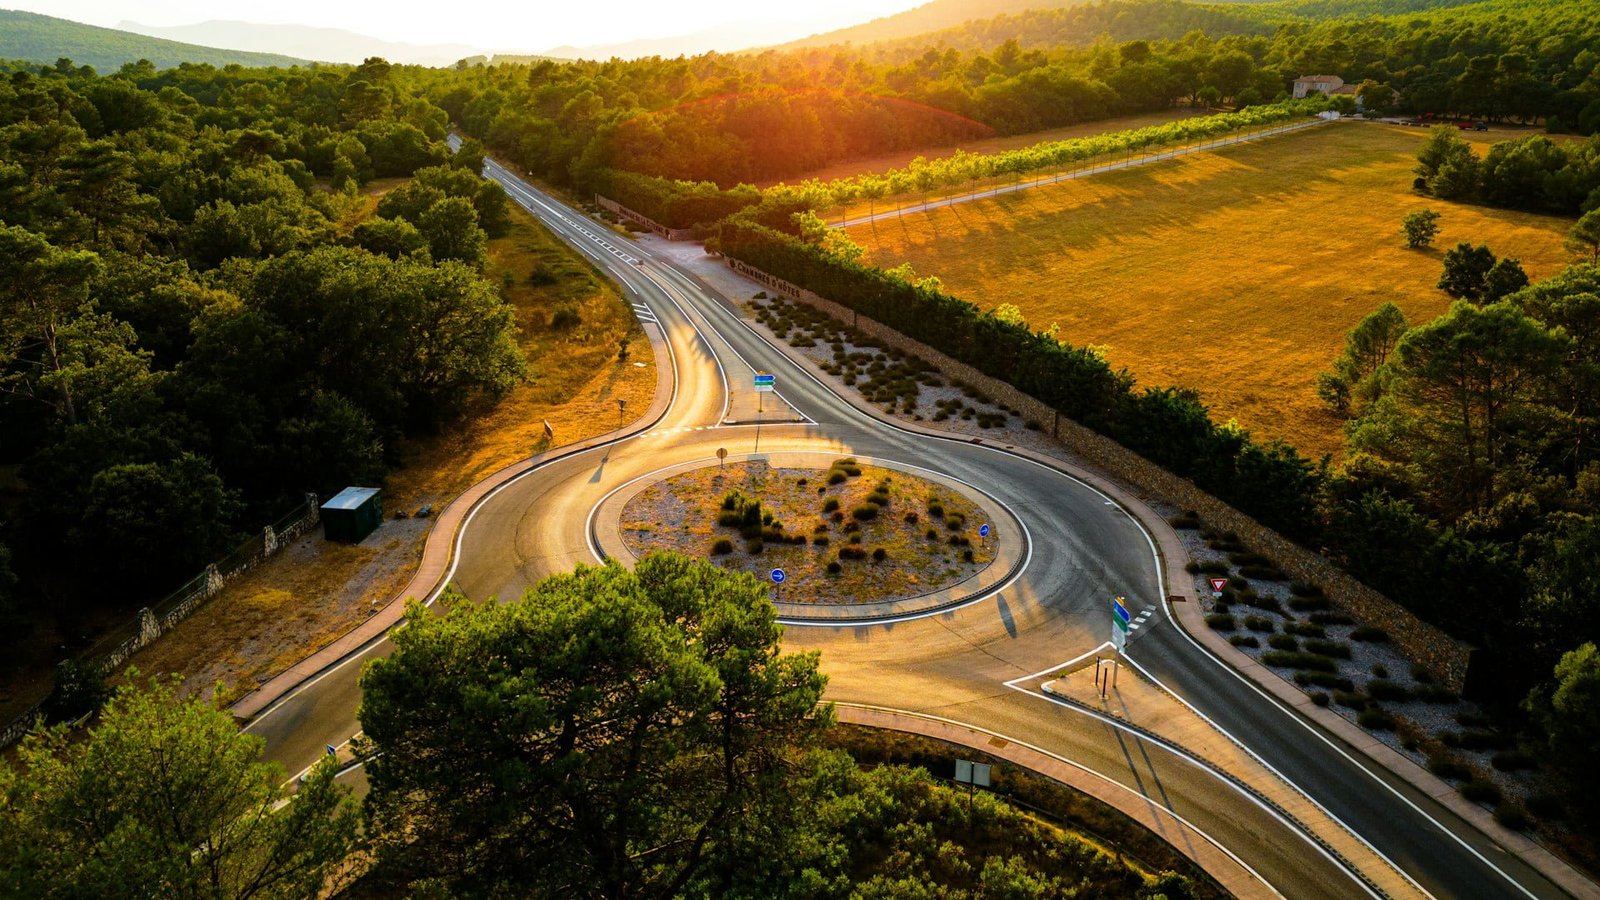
328	44
45	39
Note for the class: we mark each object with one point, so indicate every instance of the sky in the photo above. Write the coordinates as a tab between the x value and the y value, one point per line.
529	25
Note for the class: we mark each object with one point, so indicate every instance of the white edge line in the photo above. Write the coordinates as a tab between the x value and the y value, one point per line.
1084	769
1212	771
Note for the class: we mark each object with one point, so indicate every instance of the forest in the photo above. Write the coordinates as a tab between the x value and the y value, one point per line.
194	337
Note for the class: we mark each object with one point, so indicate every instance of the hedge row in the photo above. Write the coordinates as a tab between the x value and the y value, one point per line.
1169	427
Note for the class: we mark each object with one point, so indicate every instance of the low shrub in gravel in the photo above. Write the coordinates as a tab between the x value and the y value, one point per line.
1546	806
1221	622
1479	790
1265	573
1350	699
1511	760
1299	660
1307	604
1446	766
1370	634
1379	670
1434	693
1212	567
1304	589
1475	740
1468	718
1304	629
1319	698
1338	649
1421	675
1330	680
1186	521
755	546
1513	817
1221	607
1331	618
834	568
1260	623
1244	640
1283	642
1376	718
721	546
1239	584
1388	691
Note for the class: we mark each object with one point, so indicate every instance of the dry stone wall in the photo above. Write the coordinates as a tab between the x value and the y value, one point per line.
1446	658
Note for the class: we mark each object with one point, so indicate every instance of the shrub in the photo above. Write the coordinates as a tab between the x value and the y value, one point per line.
1446	766
1371	634
1187	521
852	552
1480	790
1513	817
1379	670
1475	740
1238	584
1319	698
912	518
819	540
1471	719
966	555
1248	558
1191	567
729	519
1244	640
879	498
721	546
1375	718
1221	607
1388	691
1259	623
1283	642
754	546
1331	618
1421	675
1350	699
1546	806
1213	567
1434	693
1307	604
1304	589
931	534
830	504
1304	629
1265	573
960	540
1298	660
565	317
1328	680
1221	622
836	477
955	521
866	512
879	554
834	568
1338	649
935	509
1511	760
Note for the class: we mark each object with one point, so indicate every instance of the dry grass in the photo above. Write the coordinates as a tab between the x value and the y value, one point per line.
1237	272
315	591
680	514
900	158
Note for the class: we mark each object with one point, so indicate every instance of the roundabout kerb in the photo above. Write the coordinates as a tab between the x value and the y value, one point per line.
1012	543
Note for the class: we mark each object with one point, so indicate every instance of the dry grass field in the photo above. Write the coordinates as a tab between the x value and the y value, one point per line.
1235	272
314	591
899	158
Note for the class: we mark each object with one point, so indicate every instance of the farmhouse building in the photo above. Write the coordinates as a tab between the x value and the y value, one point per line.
1326	84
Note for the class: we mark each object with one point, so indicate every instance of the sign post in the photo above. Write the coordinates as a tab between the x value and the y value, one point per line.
778	578
983	532
974	775
622	404
1217	584
1119	624
722	454
763	384
549	433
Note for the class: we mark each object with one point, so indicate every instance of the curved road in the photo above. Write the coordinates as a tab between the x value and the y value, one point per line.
955	664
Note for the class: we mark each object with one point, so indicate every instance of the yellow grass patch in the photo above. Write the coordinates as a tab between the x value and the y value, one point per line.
314	591
1237	272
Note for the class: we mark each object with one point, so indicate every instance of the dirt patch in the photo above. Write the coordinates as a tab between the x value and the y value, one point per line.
821	526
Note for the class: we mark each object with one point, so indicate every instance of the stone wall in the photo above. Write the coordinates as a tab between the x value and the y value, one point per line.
1446	658
671	234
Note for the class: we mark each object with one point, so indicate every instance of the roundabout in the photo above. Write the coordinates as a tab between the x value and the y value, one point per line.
934	544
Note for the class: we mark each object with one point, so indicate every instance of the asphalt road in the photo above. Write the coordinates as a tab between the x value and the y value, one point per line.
1084	549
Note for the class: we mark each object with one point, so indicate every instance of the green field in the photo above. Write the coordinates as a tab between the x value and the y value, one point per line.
1235	272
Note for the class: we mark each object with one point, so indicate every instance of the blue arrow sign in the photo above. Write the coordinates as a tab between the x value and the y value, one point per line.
983	530
765	382
778	576
1120	611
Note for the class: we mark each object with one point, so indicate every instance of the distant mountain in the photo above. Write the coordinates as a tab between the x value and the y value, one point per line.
329	44
45	39
934	16
727	38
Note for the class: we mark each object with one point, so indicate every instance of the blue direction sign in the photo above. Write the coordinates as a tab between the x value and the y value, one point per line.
983	530
778	576
1119	624
765	383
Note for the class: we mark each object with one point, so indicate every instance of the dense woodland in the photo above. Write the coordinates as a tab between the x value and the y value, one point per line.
193	336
